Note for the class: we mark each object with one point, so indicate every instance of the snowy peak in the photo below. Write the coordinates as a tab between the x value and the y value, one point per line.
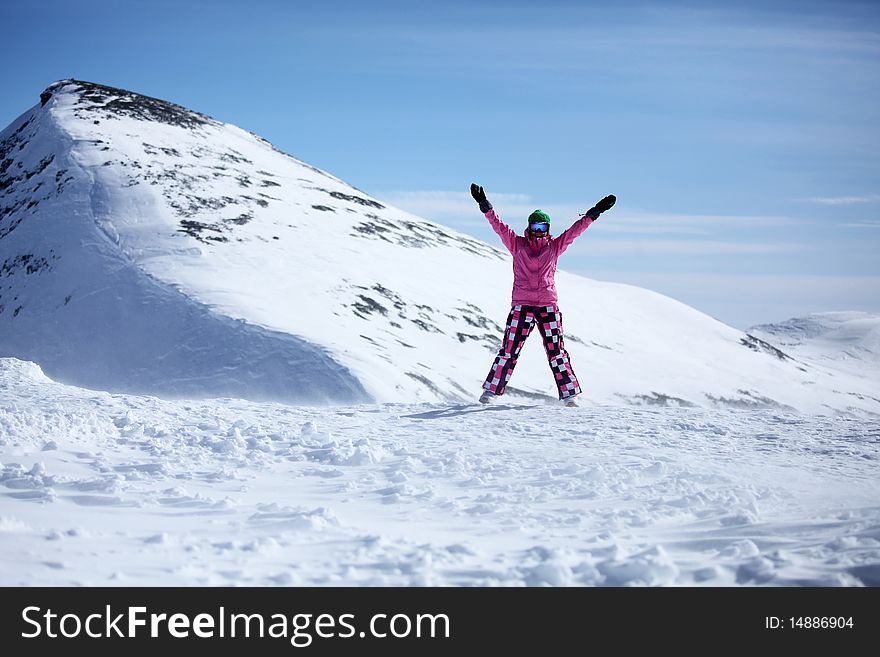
108	102
147	248
208	175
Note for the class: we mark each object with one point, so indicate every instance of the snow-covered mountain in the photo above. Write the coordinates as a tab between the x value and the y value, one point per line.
147	248
845	340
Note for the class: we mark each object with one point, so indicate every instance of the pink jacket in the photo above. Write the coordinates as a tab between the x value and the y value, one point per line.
534	260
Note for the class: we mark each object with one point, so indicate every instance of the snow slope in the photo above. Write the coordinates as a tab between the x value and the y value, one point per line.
146	248
103	489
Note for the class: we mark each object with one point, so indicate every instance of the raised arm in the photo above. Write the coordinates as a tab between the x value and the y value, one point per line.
563	241
504	231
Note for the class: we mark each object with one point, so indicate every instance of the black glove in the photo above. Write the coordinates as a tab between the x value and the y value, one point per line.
601	206
480	197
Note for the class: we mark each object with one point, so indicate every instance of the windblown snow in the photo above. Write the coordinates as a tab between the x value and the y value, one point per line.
149	249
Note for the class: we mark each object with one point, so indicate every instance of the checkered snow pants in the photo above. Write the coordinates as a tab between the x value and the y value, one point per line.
520	322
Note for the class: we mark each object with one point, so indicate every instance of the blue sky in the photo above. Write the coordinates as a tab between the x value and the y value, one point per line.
742	139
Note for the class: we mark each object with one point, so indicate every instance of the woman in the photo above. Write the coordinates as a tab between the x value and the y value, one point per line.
534	295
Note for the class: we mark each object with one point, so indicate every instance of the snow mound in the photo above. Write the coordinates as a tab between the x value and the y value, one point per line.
14	371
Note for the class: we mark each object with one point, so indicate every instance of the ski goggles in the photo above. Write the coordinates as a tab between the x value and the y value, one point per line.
539	228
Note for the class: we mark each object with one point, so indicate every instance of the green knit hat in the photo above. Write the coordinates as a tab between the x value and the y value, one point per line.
539	216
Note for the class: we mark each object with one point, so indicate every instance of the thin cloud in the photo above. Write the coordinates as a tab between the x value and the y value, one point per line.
433	203
842	200
682	247
773	284
673	32
637	218
459	207
744	299
863	224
